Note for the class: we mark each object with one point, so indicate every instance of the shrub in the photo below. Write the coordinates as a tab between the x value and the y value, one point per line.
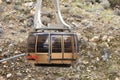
115	3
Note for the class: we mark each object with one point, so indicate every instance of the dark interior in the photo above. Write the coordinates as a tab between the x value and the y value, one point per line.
58	43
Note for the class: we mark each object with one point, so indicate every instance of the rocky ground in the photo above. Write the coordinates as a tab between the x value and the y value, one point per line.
98	29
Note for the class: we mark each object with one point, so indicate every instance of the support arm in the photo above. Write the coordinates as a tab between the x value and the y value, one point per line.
60	20
37	18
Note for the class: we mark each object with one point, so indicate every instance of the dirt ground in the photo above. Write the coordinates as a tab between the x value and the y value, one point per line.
97	27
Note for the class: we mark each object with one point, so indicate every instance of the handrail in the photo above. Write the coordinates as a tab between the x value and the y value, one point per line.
16	56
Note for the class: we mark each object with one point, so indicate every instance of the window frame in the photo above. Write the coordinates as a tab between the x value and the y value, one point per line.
36	48
49	36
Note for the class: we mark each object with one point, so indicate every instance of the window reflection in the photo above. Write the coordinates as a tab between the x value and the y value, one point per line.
67	43
59	43
56	43
31	43
43	43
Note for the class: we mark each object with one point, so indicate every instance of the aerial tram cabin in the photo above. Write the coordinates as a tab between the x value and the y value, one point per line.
51	44
59	46
52	48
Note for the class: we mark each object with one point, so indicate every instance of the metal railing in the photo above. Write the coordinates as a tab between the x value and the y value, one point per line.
13	57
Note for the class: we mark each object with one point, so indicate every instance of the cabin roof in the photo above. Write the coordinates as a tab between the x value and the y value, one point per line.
52	33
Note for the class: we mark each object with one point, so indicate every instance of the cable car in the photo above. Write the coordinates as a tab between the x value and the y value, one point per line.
52	48
59	46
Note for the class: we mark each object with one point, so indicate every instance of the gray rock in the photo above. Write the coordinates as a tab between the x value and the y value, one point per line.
1	8
79	5
92	45
8	75
19	8
19	74
1	1
21	17
22	31
1	50
32	79
66	8
105	4
105	53
18	2
14	32
95	39
27	0
29	4
48	14
89	1
1	78
11	26
45	20
48	77
60	78
8	1
117	78
29	22
87	24
98	1
83	42
117	12
74	25
1	30
104	38
77	77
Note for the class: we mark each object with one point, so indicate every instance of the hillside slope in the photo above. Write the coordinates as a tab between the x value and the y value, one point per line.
98	29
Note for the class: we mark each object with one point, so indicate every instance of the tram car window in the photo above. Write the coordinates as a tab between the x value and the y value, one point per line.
31	43
56	43
42	43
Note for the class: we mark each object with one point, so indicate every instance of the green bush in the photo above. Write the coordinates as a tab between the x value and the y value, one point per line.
114	3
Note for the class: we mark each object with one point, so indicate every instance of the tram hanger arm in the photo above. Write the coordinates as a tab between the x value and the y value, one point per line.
37	18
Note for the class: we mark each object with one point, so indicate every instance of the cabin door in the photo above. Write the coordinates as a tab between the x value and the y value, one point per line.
62	47
68	47
56	47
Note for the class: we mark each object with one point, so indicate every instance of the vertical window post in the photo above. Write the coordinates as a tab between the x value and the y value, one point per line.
36	43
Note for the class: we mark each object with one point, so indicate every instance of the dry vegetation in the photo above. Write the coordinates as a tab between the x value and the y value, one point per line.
98	30
115	3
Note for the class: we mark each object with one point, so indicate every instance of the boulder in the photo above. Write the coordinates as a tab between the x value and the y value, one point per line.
95	39
60	78
117	11
19	74
29	22
1	78
105	4
29	4
1	50
105	53
8	1
8	75
0	1
89	1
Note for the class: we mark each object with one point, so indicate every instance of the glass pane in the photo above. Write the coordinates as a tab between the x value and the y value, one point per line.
31	43
43	43
56	43
67	43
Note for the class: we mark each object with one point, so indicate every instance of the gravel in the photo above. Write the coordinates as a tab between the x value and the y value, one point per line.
98	36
